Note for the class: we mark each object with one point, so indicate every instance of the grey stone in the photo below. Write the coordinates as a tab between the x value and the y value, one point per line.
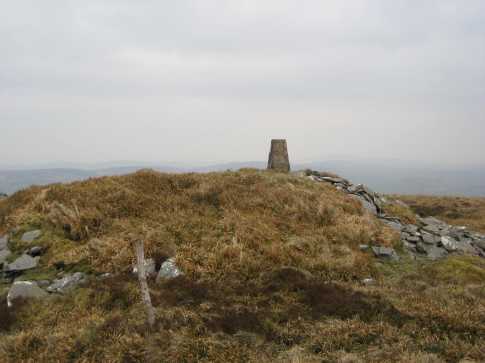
43	283
150	267
24	289
35	251
410	228
430	239
24	262
413	239
168	270
433	229
67	283
385	252
3	242
480	243
4	254
448	243
31	235
364	247
431	251
466	247
365	203
409	246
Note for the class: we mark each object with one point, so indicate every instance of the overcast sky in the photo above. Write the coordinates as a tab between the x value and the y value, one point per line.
213	81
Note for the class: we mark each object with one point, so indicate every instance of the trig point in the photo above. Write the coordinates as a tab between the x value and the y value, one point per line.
278	156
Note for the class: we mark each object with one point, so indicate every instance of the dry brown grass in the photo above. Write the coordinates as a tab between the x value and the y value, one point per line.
463	211
272	273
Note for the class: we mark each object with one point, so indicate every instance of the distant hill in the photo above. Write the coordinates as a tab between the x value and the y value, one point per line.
382	176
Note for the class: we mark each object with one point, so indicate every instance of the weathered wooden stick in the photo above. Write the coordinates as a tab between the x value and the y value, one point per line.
145	293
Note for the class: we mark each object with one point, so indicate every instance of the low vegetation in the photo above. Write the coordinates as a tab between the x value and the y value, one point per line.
272	272
463	211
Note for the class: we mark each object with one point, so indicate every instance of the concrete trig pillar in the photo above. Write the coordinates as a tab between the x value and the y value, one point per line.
278	156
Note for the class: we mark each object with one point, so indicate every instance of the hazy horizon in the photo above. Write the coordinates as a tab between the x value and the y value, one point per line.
206	82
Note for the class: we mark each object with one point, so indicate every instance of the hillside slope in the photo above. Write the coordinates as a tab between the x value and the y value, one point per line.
272	272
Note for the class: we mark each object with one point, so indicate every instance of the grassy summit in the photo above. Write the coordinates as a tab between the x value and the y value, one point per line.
272	272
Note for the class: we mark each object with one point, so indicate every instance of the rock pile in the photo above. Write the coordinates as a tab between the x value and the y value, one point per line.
429	238
29	260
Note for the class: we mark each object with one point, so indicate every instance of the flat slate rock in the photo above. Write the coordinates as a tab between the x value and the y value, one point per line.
24	289
24	262
31	235
67	283
3	242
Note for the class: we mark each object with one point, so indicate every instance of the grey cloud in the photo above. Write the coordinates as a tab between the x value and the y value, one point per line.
404	79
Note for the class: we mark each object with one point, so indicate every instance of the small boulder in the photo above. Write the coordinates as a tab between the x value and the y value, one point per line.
168	270
150	267
67	283
24	289
385	252
24	262
31	235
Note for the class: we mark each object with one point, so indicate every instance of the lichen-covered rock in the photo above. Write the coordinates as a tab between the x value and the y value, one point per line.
4	254
67	283
168	270
31	236
24	262
24	289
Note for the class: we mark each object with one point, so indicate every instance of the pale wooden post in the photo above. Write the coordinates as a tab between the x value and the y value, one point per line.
145	293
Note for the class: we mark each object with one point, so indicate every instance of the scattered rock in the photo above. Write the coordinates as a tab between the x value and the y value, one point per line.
150	267
168	270
431	237
24	289
385	252
31	235
24	262
67	283
364	247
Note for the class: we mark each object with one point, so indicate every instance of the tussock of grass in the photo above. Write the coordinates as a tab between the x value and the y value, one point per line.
272	273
